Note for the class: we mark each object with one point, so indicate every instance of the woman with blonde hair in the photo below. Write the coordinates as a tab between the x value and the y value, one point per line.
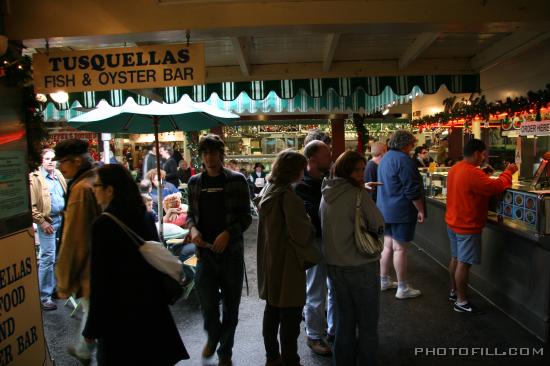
285	251
167	187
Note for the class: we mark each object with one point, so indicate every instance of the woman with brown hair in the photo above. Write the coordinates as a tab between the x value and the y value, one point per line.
285	251
354	276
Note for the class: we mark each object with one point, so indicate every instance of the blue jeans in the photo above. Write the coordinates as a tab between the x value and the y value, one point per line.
220	277
317	284
357	295
46	270
185	252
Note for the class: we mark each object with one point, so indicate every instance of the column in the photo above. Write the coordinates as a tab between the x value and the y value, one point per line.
106	138
456	144
338	137
218	130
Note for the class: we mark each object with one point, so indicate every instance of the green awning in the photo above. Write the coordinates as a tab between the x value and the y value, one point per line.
290	89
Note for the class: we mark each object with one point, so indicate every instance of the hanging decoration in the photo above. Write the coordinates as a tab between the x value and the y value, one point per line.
193	147
15	71
480	109
362	133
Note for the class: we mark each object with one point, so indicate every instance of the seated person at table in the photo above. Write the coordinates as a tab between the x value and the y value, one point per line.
168	188
174	212
148	201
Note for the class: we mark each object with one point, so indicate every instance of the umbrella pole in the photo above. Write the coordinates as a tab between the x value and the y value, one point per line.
160	181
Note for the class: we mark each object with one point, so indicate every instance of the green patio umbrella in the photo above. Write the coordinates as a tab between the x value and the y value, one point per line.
155	117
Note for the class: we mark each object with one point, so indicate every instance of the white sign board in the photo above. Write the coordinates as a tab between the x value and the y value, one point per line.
541	128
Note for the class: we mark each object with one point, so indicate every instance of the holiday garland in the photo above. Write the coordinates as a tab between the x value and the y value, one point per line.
193	147
362	132
16	72
480	109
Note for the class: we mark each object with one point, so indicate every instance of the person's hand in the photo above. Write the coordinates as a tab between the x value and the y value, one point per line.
420	217
371	185
512	168
488	169
221	242
47	228
196	237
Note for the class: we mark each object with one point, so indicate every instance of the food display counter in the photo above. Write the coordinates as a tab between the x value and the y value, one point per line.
514	273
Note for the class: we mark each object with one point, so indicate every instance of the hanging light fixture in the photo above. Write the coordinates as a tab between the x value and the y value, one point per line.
41	98
60	97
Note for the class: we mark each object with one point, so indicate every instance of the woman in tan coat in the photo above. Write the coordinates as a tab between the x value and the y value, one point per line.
285	251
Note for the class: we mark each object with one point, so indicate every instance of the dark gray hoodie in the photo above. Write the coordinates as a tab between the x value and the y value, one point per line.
337	213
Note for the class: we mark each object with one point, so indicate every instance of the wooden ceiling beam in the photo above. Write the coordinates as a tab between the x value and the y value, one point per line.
506	48
241	47
37	19
453	66
333	40
420	44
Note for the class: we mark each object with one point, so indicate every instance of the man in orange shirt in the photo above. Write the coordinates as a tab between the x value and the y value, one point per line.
468	191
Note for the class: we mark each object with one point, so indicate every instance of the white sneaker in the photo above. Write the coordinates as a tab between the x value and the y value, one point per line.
408	293
387	285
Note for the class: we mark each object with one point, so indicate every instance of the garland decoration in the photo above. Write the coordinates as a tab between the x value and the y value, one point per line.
16	71
480	109
193	147
362	132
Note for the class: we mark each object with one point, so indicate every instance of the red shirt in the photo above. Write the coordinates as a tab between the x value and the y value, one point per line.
468	193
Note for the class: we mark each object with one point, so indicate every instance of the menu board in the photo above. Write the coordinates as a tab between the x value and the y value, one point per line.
14	198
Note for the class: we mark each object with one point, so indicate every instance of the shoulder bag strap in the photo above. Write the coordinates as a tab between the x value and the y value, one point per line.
138	240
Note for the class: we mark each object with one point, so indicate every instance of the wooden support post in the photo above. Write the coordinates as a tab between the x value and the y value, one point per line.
218	130
456	143
338	137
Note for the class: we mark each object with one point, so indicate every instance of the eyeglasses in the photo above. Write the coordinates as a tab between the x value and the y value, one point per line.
99	185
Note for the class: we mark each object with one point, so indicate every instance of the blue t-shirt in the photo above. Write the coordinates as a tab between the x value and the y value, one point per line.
402	185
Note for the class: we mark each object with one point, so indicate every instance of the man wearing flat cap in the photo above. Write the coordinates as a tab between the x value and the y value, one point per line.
81	209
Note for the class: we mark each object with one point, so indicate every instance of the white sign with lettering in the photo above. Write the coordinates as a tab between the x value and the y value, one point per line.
541	128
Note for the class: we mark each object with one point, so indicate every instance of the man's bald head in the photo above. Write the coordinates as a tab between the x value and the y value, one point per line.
313	148
318	155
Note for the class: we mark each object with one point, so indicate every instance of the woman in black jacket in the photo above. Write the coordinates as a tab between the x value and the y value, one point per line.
127	317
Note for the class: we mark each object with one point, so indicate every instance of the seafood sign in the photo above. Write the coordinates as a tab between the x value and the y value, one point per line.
119	68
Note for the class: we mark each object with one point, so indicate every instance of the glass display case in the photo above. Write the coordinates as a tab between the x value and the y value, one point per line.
435	184
519	206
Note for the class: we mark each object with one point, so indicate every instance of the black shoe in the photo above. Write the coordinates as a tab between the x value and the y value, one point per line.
319	347
48	305
467	308
452	296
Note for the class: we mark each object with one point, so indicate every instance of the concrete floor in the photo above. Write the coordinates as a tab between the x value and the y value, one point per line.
427	321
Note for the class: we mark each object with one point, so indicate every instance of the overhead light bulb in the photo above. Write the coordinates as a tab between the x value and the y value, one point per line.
60	97
41	98
386	111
